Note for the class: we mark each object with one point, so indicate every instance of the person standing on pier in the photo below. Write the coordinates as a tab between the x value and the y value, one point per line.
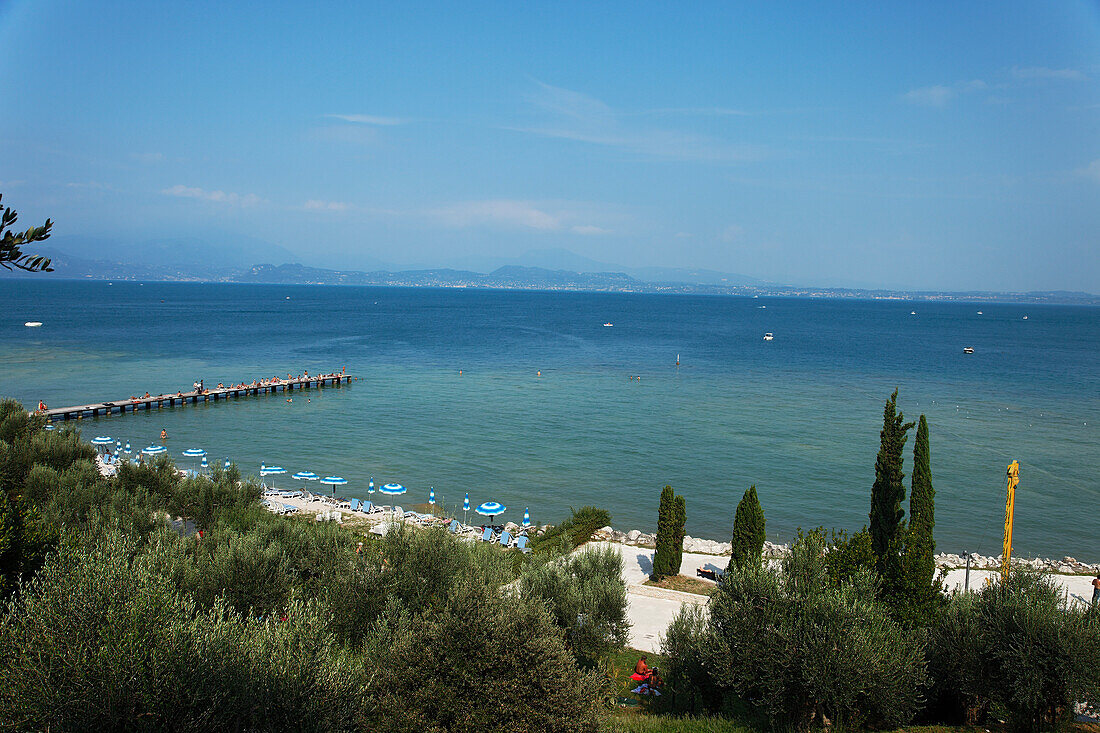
42	406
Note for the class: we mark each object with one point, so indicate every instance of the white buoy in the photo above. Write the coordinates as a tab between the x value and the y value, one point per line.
33	324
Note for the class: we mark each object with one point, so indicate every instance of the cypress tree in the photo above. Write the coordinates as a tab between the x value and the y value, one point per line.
663	556
887	493
919	563
679	517
748	531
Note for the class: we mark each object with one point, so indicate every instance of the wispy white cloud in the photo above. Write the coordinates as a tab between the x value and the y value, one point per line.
233	199
90	185
589	229
329	206
499	211
1091	171
572	115
938	95
369	119
148	158
732	233
1042	72
691	112
573	217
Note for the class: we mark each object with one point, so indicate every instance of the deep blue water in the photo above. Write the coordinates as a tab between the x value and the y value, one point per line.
798	416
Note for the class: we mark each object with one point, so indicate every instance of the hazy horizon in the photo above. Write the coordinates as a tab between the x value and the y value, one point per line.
930	147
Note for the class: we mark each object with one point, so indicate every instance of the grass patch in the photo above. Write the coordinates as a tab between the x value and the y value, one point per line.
637	722
620	665
684	584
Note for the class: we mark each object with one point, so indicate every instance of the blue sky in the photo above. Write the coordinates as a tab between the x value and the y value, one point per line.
919	145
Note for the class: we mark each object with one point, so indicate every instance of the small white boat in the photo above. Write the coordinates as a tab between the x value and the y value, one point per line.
608	325
912	313
979	313
33	324
968	349
768	336
1025	318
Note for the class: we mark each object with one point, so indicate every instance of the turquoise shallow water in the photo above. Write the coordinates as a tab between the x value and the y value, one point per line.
798	416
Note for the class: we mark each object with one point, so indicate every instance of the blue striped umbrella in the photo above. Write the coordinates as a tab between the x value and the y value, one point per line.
102	440
305	476
334	481
204	462
118	446
370	486
154	450
194	453
431	495
271	471
465	507
226	464
490	509
393	489
526	517
127	450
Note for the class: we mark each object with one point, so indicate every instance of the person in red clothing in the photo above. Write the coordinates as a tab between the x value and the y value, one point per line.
647	678
42	406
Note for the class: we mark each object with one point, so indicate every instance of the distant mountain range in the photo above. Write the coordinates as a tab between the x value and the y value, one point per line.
234	260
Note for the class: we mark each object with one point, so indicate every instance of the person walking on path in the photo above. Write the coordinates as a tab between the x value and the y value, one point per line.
1095	589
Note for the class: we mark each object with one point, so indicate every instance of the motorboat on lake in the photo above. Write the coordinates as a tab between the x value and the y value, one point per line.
768	336
968	349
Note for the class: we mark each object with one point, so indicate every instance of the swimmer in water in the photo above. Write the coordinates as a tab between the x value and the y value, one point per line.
164	434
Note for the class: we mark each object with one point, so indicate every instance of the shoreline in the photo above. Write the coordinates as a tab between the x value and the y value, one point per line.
945	561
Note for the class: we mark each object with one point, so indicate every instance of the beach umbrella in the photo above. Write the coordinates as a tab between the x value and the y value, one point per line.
271	471
370	486
334	481
194	453
305	476
102	440
526	517
118	446
226	464
490	509
127	450
393	489
154	450
203	463
465	507
431	495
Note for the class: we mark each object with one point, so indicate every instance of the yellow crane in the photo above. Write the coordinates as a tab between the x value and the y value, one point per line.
1010	503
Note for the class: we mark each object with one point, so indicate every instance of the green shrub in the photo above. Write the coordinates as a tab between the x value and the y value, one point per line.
586	596
1013	649
481	658
686	645
573	532
803	650
102	641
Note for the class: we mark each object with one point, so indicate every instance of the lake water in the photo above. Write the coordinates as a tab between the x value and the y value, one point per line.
798	416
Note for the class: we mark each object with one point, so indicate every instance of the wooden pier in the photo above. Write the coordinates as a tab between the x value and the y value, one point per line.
156	402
